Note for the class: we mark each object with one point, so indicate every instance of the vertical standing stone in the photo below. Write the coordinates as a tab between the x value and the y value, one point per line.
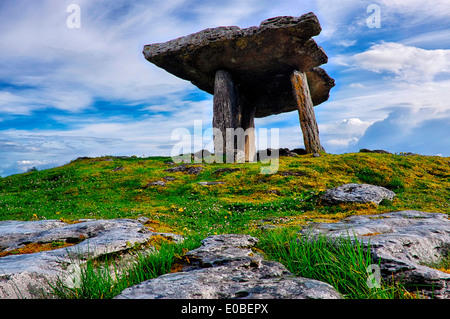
248	124
226	109
307	117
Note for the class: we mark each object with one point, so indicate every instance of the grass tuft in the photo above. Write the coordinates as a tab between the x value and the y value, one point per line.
105	279
341	262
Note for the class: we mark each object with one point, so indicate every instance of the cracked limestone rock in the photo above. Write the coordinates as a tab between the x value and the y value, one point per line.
358	193
225	267
404	243
28	275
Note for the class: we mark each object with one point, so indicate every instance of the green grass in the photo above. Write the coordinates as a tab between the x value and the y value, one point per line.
443	264
369	176
91	188
341	262
95	188
103	279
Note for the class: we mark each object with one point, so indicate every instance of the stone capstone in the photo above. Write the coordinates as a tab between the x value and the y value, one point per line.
28	275
404	244
357	193
260	59
224	267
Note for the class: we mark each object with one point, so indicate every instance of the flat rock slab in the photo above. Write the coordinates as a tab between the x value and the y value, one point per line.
27	276
260	59
403	243
225	267
357	193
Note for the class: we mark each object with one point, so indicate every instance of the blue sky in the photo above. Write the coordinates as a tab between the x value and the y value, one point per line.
88	91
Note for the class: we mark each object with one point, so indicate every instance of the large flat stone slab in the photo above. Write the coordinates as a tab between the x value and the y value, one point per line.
260	59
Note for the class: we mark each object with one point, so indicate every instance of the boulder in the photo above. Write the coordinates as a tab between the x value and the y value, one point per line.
271	152
28	275
157	183
403	244
299	151
189	169
357	193
260	59
225	267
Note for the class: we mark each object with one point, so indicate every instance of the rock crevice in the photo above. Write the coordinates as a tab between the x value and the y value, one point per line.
403	244
225	267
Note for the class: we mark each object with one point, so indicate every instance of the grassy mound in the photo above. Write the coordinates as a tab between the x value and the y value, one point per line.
245	202
111	187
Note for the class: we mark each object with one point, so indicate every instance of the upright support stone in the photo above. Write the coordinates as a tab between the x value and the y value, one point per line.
248	124
307	117
226	110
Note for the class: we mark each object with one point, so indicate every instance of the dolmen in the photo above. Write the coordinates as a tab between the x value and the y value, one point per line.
253	72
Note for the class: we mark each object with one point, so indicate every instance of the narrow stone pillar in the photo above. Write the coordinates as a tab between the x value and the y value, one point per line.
307	117
248	124
226	109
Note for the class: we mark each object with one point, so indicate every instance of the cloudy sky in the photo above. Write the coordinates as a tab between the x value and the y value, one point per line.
88	91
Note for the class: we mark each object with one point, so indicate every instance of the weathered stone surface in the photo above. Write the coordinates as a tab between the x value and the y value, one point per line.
357	193
403	243
190	169
157	183
230	113
307	117
13	232
225	267
226	110
260	59
27	276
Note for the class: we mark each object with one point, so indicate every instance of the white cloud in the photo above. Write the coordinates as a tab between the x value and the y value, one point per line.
410	64
346	43
417	10
69	68
342	134
433	39
357	86
51	66
101	136
406	130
